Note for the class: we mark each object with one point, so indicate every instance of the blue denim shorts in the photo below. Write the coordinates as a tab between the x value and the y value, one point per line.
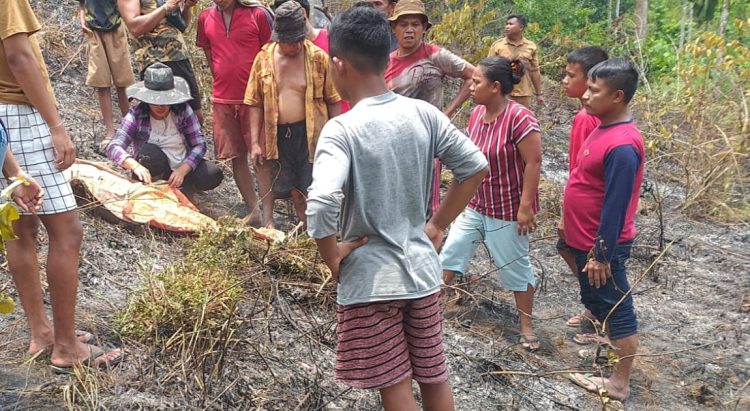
622	323
508	250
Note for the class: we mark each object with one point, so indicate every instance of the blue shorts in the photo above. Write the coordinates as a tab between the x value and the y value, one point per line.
622	322
508	250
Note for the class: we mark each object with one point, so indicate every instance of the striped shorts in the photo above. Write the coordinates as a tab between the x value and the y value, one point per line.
31	143
381	344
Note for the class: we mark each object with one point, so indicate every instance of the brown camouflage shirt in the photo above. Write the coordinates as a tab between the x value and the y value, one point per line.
163	43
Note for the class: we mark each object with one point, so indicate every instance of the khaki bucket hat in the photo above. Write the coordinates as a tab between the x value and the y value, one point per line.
160	87
410	8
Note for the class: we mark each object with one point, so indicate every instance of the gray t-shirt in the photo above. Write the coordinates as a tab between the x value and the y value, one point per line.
374	166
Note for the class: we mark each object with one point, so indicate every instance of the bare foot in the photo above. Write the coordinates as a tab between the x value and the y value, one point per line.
88	354
600	386
46	341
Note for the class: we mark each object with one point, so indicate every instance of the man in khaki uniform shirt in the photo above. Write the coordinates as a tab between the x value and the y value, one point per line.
515	46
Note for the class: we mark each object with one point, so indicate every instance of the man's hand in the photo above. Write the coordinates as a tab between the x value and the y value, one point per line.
435	234
598	272
171	5
540	100
525	221
344	249
82	18
561	229
28	197
65	150
142	173
256	155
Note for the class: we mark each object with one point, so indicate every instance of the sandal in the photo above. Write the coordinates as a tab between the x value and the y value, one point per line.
527	341
90	362
581	319
590	338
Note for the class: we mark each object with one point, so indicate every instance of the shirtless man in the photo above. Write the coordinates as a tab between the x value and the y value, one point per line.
289	106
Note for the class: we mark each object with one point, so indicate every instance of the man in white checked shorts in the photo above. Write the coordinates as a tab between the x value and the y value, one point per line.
41	145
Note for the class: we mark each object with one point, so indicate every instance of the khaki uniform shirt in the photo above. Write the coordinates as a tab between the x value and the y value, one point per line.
525	50
163	43
17	17
261	92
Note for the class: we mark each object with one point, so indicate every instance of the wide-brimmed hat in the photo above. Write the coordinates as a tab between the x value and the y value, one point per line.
410	8
160	87
290	25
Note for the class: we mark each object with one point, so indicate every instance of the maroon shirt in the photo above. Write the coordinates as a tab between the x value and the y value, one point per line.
499	194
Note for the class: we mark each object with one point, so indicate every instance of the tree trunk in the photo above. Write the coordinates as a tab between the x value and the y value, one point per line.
641	19
609	11
683	23
617	8
724	18
690	22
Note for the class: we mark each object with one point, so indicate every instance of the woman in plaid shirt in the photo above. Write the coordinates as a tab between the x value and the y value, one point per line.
165	135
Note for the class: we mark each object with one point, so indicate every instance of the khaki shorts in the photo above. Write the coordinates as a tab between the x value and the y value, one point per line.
109	59
524	100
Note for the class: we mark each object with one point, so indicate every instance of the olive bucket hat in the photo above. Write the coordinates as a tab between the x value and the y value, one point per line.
410	8
290	25
160	87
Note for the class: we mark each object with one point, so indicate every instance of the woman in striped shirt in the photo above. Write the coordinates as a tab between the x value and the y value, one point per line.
501	213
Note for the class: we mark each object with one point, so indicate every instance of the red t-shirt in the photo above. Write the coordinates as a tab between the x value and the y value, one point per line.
232	49
586	188
583	124
322	42
499	194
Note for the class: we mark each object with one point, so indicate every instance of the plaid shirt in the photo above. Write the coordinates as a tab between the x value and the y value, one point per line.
135	130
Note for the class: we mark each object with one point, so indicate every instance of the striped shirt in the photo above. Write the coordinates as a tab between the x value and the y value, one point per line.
499	194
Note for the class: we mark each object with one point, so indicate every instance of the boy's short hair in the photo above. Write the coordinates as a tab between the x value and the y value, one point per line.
520	17
362	36
587	57
304	3
619	74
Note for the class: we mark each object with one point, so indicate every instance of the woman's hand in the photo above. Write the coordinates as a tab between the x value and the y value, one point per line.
142	173
178	176
525	221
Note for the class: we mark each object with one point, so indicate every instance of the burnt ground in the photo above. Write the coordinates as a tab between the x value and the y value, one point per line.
692	307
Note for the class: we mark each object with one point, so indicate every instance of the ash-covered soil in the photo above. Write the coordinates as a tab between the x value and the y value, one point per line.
692	308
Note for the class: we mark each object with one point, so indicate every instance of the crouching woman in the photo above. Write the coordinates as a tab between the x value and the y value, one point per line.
164	135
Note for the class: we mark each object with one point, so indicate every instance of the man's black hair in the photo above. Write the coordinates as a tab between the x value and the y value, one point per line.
304	3
619	74
587	57
362	36
520	17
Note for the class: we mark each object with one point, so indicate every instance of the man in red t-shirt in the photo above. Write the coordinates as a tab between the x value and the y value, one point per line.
580	61
231	35
604	187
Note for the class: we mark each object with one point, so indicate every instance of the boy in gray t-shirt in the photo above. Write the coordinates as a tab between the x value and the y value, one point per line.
372	174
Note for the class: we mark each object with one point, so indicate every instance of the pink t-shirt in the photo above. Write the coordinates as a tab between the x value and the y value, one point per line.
499	194
583	124
420	74
233	49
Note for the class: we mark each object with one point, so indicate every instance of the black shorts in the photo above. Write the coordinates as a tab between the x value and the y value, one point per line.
183	68
293	168
562	246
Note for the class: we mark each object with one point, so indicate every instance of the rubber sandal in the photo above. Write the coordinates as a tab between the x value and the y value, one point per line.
89	362
527	340
581	319
589	338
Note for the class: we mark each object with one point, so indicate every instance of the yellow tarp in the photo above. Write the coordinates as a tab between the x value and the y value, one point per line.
157	205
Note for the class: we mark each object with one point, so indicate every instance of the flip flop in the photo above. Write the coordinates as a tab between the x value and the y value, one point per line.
581	319
589	338
85	337
527	340
89	362
587	384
